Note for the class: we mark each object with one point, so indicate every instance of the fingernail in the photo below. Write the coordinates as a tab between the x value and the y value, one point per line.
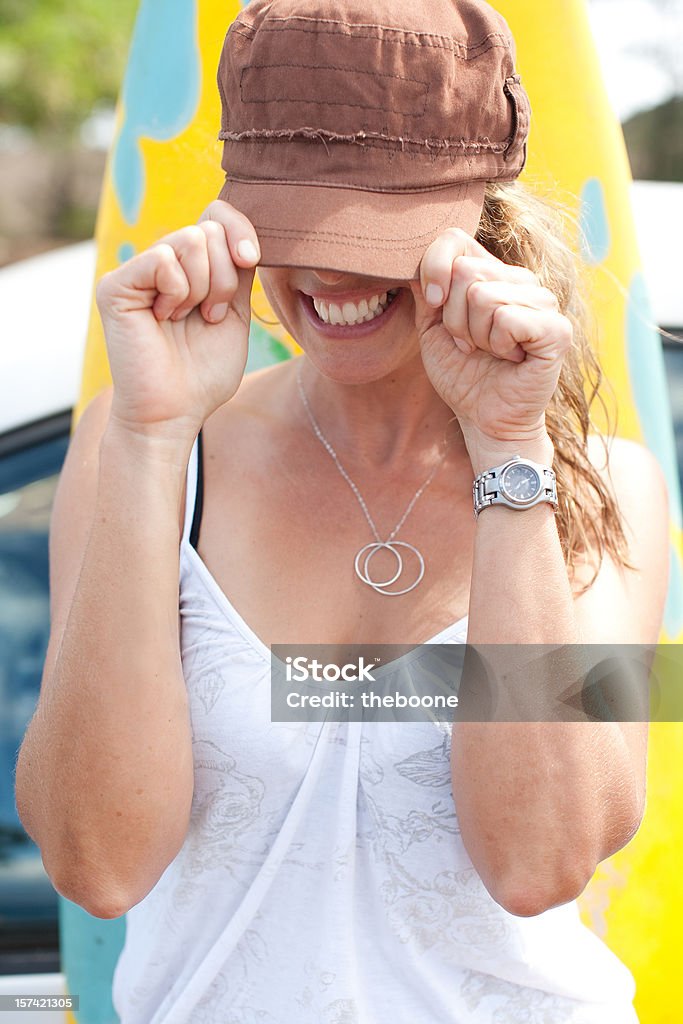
434	295
218	312
246	250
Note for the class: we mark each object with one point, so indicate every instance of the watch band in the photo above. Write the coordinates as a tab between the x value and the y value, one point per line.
489	487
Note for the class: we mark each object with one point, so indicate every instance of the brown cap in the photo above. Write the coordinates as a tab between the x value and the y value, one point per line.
356	131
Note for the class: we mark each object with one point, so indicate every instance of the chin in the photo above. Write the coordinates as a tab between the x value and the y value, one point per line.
359	352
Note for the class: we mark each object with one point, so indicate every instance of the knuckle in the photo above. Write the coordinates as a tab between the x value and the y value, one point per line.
477	291
458	233
216	206
212	229
466	267
165	253
503	316
193	236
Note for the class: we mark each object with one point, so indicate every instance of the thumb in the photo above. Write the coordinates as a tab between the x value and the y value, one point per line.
426	316
241	301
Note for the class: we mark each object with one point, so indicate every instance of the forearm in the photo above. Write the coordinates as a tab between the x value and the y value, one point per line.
104	777
538	800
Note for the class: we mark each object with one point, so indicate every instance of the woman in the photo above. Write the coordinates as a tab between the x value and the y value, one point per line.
337	871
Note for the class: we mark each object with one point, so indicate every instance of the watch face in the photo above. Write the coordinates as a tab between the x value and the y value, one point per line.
520	483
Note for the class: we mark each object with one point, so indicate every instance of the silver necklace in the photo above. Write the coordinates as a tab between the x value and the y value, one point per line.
369	550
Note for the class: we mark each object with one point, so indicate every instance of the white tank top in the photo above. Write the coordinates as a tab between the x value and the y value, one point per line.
324	880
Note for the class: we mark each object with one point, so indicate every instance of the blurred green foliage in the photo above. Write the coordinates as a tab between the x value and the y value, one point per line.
60	59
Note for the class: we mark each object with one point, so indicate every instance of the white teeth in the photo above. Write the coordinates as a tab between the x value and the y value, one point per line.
351	313
335	314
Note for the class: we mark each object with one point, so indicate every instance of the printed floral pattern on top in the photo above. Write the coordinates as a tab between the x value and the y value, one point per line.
321	857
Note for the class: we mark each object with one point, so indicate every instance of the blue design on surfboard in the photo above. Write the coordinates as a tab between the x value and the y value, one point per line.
595	234
160	91
126	251
648	382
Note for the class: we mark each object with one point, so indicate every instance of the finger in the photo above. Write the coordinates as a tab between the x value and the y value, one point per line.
223	275
154	279
541	333
437	262
484	297
170	280
189	245
466	271
239	231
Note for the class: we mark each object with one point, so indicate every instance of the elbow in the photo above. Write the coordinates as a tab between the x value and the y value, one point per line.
531	895
527	890
99	900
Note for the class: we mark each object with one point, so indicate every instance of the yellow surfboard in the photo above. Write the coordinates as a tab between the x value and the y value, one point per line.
164	168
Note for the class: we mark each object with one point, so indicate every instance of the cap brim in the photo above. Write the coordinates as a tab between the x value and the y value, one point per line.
378	234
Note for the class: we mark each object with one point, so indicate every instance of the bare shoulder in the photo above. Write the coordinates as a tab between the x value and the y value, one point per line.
633	475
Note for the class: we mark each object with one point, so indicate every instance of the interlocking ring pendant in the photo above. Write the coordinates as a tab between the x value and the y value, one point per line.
380	585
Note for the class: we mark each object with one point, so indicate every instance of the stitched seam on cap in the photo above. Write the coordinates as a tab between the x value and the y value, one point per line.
340	103
336	67
448	40
355	241
435	147
337	103
360	185
443	42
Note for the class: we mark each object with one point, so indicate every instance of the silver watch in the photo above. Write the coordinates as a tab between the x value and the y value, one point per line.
518	483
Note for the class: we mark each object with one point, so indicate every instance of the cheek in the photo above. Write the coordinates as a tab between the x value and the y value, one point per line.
278	291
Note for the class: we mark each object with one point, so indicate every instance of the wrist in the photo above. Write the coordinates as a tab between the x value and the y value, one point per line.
165	448
487	452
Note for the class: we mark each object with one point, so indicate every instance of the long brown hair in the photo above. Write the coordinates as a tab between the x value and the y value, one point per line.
529	229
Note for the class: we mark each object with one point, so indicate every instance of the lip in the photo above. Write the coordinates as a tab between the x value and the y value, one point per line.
355	330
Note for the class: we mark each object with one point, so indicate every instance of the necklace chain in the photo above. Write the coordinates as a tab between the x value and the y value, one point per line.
378	542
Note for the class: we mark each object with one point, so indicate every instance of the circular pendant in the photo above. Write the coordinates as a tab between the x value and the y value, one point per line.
380	585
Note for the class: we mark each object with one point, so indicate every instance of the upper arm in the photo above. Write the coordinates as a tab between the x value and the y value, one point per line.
627	605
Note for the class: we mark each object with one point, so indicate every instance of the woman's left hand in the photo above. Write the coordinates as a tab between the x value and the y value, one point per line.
493	340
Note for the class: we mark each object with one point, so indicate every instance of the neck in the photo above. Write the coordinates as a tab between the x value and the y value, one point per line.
381	423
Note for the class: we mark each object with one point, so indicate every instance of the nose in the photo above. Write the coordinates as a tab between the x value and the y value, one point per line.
329	277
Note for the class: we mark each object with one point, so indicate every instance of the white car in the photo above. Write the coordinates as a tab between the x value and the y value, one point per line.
45	305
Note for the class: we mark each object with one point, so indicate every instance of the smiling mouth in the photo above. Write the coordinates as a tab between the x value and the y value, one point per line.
351	314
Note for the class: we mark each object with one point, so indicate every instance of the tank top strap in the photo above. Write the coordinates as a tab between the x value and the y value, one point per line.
194	493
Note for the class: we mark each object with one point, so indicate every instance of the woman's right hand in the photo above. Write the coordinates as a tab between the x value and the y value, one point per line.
176	322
